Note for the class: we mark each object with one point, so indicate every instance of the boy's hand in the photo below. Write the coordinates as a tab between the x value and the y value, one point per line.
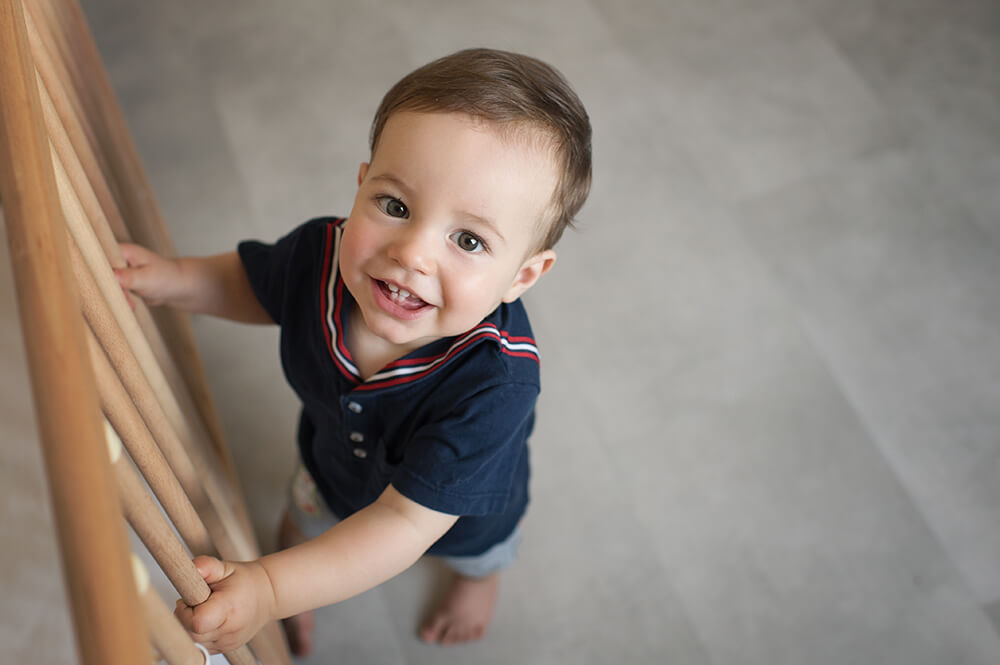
150	276
242	602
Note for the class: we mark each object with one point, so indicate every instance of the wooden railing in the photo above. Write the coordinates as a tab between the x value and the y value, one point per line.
117	373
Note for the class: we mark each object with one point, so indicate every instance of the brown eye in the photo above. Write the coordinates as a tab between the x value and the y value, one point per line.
468	242
392	206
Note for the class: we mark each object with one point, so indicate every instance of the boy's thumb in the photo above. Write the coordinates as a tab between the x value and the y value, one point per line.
212	570
133	254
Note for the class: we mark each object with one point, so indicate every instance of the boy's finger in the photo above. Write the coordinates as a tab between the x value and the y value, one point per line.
124	276
212	570
202	621
133	254
184	614
206	620
211	648
132	282
125	289
135	278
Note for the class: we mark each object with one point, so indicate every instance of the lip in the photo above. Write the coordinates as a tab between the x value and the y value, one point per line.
391	307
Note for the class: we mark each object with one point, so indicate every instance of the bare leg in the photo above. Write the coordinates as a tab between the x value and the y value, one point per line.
465	613
299	628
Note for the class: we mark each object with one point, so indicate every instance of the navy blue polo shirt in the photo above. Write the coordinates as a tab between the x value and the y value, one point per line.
447	424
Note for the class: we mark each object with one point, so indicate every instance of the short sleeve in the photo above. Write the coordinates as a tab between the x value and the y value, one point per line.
269	266
473	461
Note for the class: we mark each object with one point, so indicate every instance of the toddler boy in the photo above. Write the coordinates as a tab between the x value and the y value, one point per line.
403	334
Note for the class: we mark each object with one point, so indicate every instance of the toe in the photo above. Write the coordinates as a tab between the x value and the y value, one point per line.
435	629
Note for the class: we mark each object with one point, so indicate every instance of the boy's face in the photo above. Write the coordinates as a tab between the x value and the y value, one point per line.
444	226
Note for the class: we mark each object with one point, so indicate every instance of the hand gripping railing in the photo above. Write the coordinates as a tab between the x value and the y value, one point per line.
67	163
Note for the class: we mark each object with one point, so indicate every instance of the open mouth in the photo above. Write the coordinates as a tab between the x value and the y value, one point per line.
400	297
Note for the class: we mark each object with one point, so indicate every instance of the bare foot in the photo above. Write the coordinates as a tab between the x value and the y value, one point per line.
299	628
465	613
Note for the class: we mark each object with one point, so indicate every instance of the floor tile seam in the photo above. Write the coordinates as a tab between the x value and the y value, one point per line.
693	625
923	178
884	452
894	138
241	177
843	387
631	501
930	171
902	148
992	610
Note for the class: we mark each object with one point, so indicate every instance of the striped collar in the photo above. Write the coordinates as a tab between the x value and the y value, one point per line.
335	301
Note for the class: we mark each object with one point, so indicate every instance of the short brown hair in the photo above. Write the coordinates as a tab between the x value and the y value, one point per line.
507	89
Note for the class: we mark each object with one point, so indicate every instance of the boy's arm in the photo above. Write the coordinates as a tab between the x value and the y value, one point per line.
366	549
216	285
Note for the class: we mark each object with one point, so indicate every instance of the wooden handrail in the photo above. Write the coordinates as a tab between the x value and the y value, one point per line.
154	530
85	73
67	162
121	412
91	533
172	642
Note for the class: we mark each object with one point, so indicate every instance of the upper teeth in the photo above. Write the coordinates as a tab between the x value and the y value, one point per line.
396	291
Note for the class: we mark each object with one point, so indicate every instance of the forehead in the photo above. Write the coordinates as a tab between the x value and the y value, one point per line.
517	136
470	163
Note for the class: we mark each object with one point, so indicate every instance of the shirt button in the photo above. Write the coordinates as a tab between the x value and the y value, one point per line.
360	453
355	407
357	437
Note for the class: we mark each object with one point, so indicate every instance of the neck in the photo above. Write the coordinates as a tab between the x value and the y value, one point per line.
369	352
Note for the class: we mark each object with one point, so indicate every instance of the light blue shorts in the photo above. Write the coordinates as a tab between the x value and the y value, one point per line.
309	512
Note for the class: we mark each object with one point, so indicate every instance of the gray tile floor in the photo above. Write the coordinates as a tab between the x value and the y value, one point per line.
778	438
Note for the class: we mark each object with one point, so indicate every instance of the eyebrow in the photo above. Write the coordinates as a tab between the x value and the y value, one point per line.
394	180
488	223
485	221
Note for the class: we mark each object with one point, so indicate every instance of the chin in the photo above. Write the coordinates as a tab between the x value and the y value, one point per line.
395	336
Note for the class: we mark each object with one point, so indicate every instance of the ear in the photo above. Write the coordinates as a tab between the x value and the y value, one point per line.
362	172
530	271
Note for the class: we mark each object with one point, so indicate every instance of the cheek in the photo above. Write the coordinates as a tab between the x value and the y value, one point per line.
347	253
355	244
476	294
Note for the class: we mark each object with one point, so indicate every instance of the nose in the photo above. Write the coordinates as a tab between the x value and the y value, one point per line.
413	248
